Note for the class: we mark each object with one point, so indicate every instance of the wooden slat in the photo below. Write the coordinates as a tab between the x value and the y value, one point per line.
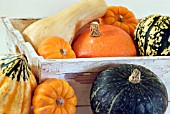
84	110
79	110
87	110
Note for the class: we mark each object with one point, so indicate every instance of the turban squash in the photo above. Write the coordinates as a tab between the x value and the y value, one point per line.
128	89
17	83
54	96
152	36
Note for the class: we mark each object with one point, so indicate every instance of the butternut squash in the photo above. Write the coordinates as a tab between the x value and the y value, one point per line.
66	23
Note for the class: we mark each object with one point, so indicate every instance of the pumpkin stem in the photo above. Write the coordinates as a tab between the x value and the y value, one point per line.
63	51
120	18
135	76
94	28
60	101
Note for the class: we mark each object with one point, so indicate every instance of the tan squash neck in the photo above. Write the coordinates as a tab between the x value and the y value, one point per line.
94	29
135	76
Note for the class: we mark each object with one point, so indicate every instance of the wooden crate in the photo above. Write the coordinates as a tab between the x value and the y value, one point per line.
80	72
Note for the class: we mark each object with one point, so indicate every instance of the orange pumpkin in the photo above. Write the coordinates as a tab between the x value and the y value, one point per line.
54	97
109	41
121	17
55	48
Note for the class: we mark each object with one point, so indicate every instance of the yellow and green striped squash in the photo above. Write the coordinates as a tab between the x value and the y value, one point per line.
17	83
152	36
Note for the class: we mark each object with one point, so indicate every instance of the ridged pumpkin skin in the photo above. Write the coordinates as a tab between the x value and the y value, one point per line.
121	17
113	93
152	36
54	96
55	47
112	42
17	83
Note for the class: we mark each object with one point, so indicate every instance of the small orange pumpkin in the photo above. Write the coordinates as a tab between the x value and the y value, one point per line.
54	96
103	41
55	48
121	17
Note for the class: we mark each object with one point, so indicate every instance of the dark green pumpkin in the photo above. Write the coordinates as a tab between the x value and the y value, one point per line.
128	89
152	36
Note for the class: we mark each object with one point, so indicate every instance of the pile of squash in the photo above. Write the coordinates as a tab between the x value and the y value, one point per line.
19	90
120	89
128	89
85	30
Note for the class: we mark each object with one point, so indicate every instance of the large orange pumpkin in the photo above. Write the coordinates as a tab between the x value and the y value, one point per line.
54	96
109	41
121	17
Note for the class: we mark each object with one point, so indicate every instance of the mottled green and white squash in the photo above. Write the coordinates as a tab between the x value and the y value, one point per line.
152	36
17	83
128	89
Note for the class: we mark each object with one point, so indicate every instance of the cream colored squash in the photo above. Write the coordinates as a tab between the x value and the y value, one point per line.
66	23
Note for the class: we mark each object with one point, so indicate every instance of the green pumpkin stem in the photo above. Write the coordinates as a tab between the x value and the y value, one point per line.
135	76
94	29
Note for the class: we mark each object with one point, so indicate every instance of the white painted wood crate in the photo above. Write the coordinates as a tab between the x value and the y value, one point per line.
79	72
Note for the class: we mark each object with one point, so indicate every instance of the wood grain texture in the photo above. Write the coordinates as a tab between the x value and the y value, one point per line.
79	110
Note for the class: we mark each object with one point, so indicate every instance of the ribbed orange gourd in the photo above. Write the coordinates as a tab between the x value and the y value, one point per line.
55	47
54	96
121	17
17	83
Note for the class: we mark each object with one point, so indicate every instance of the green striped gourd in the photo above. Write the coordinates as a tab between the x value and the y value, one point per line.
128	89
152	36
17	83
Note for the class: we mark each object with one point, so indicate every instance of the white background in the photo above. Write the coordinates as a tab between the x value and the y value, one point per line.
43	8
